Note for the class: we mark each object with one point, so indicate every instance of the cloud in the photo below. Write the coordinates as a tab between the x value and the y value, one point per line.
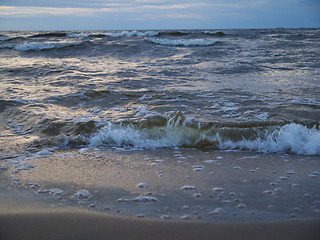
9	11
97	8
162	13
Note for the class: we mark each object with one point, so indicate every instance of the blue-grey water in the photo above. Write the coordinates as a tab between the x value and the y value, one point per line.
167	88
190	97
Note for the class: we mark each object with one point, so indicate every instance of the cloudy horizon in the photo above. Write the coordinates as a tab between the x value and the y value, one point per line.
157	14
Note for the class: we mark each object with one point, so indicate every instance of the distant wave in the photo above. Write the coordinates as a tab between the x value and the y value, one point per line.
44	46
217	34
132	34
50	34
7	39
174	33
182	42
115	34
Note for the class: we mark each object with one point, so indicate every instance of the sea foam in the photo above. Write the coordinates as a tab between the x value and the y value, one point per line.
44	46
132	34
291	138
182	42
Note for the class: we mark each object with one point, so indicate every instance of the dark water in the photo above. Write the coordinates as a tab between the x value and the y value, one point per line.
236	89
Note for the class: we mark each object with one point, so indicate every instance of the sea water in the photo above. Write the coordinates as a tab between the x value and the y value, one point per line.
216	91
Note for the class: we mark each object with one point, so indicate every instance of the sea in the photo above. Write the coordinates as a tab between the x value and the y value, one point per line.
211	94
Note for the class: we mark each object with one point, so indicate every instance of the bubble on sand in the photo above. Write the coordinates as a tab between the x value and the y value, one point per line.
24	166
314	174
198	168
142	185
216	211
210	161
241	205
82	194
83	150
226	201
138	199
268	192
160	173
186	217
197	195
188	187
217	189
34	185
283	178
43	191
160	160
295	185
55	191
2	167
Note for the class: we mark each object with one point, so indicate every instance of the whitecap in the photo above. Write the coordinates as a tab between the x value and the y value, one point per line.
132	34
181	42
44	46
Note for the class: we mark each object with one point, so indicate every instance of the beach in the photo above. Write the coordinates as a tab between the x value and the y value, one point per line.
160	134
29	215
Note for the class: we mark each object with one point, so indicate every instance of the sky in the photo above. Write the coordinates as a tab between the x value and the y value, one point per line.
157	14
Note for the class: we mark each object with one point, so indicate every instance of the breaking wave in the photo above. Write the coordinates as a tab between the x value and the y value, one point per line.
182	42
178	131
44	46
100	34
132	34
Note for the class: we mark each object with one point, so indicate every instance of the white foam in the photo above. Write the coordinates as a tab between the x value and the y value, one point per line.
56	191
43	46
82	194
128	135
80	34
132	34
142	185
138	199
293	138
179	131
188	187
181	42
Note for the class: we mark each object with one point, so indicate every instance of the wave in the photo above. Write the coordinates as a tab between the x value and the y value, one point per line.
182	42
50	34
159	131
44	46
132	34
174	33
217	34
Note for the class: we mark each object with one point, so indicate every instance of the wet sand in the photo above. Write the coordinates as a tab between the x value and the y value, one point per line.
159	194
79	224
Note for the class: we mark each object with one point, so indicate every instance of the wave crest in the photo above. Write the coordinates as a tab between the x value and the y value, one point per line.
44	46
178	131
182	42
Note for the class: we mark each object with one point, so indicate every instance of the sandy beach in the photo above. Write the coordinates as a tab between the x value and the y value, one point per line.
160	134
32	207
71	224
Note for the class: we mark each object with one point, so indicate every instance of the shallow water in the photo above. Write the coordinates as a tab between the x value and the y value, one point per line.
165	95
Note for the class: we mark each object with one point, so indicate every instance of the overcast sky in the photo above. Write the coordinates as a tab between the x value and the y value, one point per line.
156	14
